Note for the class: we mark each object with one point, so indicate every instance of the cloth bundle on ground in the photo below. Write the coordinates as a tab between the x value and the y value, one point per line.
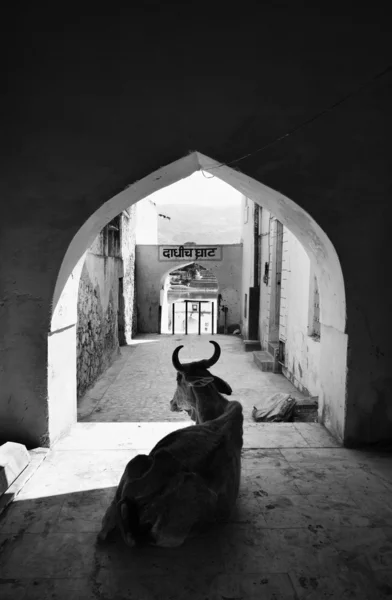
279	407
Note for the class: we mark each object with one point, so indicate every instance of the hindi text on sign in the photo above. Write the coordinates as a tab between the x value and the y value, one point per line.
175	253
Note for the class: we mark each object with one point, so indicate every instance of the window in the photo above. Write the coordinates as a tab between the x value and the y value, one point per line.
113	236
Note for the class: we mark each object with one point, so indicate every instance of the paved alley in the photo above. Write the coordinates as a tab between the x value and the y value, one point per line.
141	382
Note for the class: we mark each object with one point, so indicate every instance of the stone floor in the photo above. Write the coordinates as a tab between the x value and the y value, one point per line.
140	383
313	520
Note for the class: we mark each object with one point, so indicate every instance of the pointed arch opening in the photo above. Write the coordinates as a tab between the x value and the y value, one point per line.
323	258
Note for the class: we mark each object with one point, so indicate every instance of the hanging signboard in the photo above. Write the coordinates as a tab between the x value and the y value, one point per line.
185	253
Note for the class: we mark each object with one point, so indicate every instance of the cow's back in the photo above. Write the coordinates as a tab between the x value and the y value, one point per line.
213	450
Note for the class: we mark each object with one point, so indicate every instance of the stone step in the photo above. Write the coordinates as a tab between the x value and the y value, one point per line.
14	458
308	403
36	457
251	345
264	360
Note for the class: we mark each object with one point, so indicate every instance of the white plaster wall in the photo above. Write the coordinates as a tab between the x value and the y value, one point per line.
302	353
325	374
62	379
284	285
146	222
62	406
151	273
247	237
332	378
265	289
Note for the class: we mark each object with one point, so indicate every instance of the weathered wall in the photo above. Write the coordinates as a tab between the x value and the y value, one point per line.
99	303
150	276
128	252
302	352
97	328
94	115
247	276
265	288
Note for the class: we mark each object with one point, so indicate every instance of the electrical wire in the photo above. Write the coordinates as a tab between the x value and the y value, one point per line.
304	124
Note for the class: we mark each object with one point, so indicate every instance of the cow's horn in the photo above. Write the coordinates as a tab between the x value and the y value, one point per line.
214	358
176	361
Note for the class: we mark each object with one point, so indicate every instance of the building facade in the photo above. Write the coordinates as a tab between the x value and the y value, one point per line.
280	300
106	315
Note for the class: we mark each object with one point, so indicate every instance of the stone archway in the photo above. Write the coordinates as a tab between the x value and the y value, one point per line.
151	274
324	259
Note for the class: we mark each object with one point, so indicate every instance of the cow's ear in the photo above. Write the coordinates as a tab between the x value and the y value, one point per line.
222	386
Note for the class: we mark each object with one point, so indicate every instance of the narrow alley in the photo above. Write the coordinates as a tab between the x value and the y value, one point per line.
140	383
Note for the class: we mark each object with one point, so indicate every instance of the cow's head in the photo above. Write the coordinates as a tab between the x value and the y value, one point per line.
192	376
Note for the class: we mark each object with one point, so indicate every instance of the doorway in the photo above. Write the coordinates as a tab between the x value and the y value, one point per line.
189	302
193	317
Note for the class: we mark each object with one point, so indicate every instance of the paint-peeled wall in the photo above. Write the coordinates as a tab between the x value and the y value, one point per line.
106	299
247	275
265	282
302	350
151	274
128	245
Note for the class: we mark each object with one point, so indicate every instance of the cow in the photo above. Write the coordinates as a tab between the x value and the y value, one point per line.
190	479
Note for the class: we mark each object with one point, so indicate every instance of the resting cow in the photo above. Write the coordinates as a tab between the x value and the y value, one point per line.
191	477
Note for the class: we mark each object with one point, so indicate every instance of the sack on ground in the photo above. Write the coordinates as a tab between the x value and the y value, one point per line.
278	408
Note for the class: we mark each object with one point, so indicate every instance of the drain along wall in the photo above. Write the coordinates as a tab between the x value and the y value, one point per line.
94	115
150	273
